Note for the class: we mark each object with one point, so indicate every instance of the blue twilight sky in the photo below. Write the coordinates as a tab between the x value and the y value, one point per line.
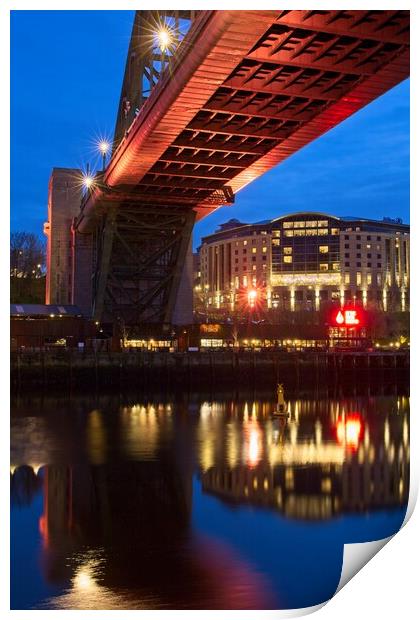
66	75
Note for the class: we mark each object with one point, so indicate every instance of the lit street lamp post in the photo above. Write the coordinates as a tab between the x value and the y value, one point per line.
104	147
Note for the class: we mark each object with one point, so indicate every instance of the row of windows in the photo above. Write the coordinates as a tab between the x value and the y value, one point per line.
253	258
254	268
323	249
369	278
358	255
254	251
358	237
359	247
311	232
359	264
310	224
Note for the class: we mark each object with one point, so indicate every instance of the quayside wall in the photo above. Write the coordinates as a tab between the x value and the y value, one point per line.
141	369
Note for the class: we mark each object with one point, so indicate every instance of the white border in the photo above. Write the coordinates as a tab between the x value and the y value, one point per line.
388	584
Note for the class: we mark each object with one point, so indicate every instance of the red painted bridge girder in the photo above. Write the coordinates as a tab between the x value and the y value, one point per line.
246	90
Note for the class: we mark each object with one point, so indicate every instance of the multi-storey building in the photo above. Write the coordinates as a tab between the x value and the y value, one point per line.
300	261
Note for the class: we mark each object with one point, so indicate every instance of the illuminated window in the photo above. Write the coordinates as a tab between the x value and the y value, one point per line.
245	281
287	259
276	241
236	282
245	242
298	233
299	225
254	280
322	223
323	249
287	224
287	250
264	249
346	278
368	246
336	266
335	231
254	250
368	279
378	279
313	224
322	231
311	232
358	278
276	233
288	233
254	267
323	266
211	342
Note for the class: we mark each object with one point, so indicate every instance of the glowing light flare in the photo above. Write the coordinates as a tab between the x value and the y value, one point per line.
253	445
88	181
348	430
252	297
104	147
164	38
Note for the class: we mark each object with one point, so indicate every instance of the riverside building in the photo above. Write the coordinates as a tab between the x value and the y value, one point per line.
304	260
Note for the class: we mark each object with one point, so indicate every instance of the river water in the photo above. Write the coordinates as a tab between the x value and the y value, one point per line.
199	501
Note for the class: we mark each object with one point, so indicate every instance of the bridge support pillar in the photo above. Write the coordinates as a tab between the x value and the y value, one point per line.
141	272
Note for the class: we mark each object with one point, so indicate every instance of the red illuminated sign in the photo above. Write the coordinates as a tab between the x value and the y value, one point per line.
347	317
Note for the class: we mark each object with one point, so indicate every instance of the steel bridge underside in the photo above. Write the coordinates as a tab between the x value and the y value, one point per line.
245	90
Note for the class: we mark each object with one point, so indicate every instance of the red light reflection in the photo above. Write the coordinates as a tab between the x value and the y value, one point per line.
348	430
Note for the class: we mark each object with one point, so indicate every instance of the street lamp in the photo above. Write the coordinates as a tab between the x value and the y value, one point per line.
104	147
88	181
164	38
252	297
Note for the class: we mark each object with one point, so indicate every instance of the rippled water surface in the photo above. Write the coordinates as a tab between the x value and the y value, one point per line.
199	502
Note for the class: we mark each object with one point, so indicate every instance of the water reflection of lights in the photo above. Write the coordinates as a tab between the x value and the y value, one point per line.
83	579
86	592
205	410
253	447
405	432
96	438
306	452
348	430
386	434
34	466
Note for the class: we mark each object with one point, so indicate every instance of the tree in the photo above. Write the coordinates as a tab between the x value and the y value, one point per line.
27	268
27	255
